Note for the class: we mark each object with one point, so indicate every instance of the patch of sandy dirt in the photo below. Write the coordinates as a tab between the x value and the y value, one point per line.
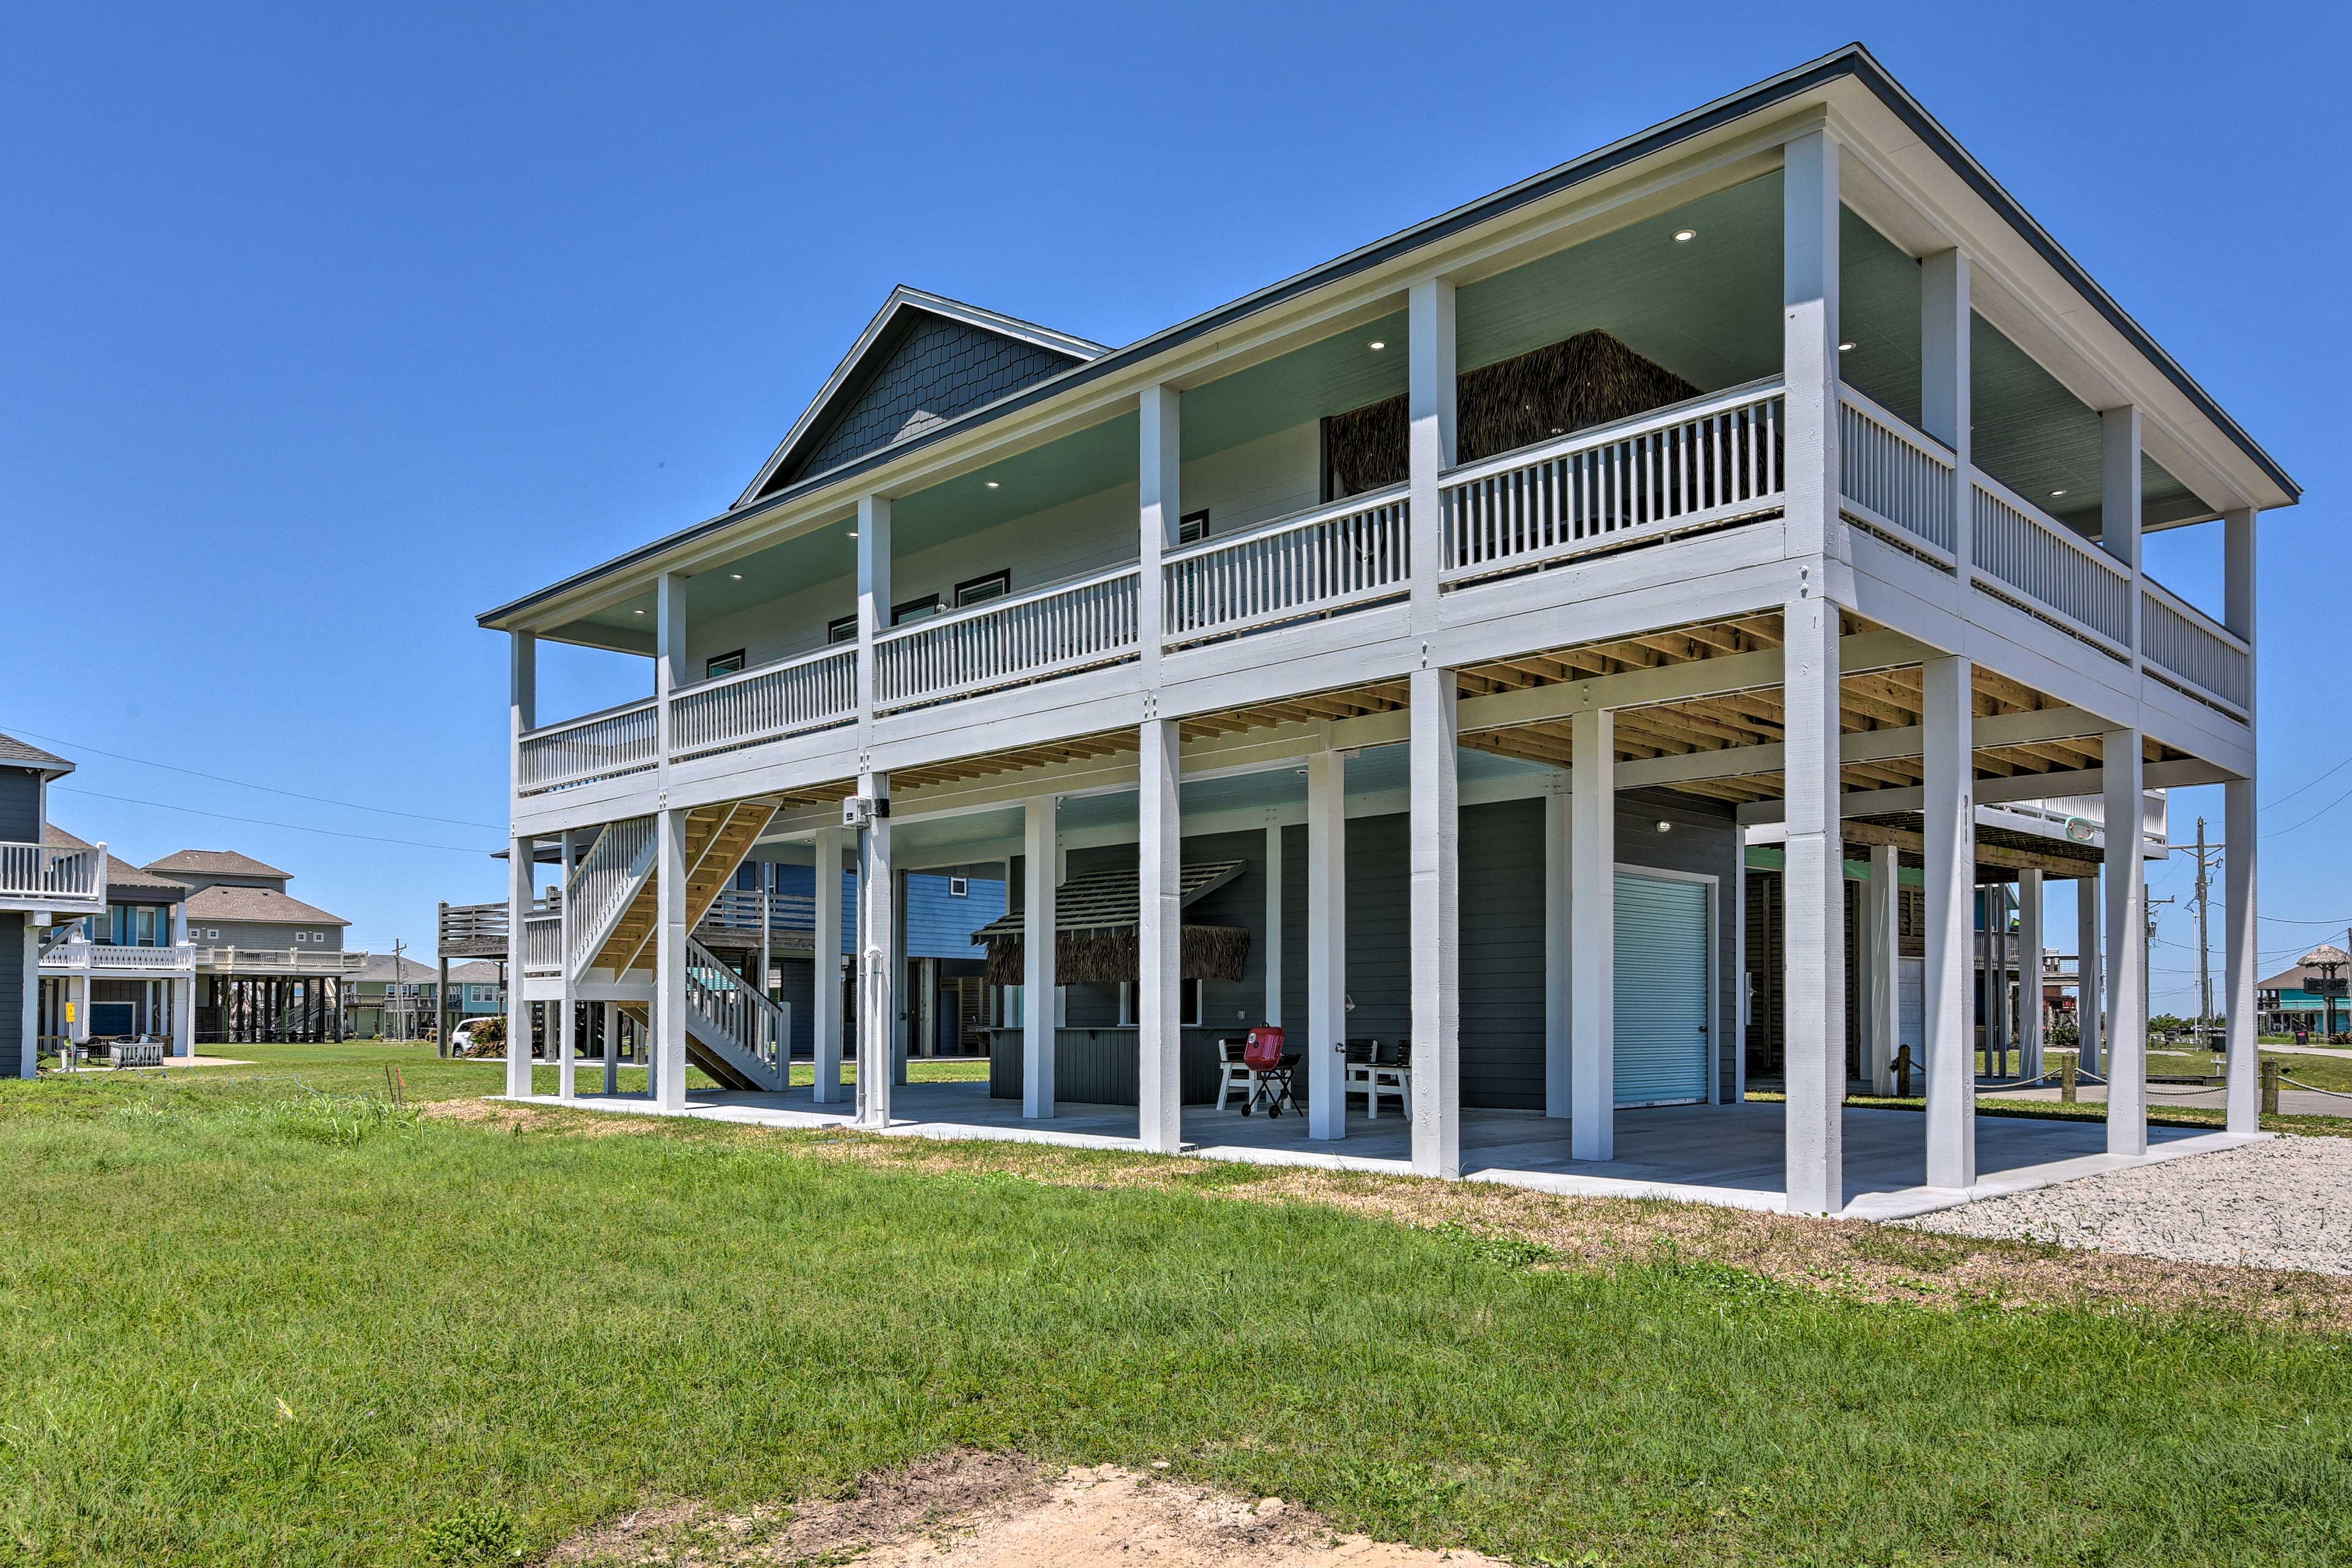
971	1510
502	1116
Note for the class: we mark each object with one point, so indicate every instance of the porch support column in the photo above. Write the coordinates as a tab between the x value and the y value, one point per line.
2119	514
611	1047
28	988
1430	398
1559	956
824	1014
2241	831
873	610
1272	1013
1038	885
1814	883
1160	476
878	958
667	1059
903	983
1159	985
1809	326
2028	974
1882	966
1436	965
1944	409
183	992
1948	999
2090	991
2119	767
518	889
1593	935
1326	944
567	1048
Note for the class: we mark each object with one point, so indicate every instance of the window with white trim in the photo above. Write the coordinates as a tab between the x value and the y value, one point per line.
1189	1008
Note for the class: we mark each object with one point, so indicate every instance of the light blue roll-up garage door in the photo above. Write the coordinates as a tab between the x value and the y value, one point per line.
1662	989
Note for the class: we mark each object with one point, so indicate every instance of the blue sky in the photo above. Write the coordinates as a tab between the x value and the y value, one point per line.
329	329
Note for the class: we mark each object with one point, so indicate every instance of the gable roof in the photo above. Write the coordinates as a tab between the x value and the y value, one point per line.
381	967
228	903
2307	967
18	754
480	972
923	360
1102	899
213	863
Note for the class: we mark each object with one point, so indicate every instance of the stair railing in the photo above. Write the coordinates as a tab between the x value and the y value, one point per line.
603	883
739	1011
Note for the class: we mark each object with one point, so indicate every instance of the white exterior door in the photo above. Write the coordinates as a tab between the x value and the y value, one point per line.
1663	989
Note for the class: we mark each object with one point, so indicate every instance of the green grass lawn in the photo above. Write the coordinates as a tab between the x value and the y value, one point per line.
248	1323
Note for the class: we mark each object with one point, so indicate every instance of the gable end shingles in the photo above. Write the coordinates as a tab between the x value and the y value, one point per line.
937	369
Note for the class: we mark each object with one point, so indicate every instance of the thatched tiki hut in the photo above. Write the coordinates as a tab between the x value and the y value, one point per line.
1097	930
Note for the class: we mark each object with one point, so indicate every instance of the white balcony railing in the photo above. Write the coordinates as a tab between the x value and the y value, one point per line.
543	943
765	704
38	871
277	960
2055	572
1353	552
1052	631
739	909
103	958
1898	480
2194	650
579	751
1710	460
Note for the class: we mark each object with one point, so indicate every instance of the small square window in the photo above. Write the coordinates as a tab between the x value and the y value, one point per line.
212	935
1193	527
980	590
723	664
958	887
302	936
842	630
318	936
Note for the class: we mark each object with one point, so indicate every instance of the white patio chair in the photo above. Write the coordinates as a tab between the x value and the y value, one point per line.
1232	1071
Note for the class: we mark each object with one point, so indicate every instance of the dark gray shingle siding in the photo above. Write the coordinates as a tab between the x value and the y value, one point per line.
939	370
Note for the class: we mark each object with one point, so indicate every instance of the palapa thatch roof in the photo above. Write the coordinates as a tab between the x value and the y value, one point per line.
1097	919
1590	379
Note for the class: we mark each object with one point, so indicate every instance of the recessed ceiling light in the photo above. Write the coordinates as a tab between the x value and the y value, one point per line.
641	612
737	575
991	484
853	533
1665	826
2057	492
1843	347
1685	236
1378	343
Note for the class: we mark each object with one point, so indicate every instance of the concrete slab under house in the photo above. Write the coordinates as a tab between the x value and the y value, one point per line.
1564	665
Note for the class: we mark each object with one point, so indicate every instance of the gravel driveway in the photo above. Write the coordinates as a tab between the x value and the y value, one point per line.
2279	1204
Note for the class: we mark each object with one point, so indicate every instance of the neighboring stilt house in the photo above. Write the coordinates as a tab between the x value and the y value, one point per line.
129	973
46	890
1759	497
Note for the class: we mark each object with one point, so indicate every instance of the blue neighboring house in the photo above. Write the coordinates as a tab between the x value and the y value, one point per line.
946	987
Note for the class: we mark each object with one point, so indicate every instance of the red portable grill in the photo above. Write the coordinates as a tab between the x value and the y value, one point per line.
1262	1052
1270	1068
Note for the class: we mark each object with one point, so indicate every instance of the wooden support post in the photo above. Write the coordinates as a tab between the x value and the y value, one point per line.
825	964
1436	962
1037	937
2119	765
1593	935
878	948
666	1062
2241	833
1327	944
1947	996
1159	987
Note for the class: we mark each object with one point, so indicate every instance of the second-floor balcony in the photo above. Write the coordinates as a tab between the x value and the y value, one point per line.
50	877
277	960
124	960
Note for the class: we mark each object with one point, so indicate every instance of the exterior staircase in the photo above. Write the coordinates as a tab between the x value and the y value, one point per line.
733	1031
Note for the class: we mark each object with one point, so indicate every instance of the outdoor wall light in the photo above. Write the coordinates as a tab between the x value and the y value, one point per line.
1845	348
1685	236
1665	826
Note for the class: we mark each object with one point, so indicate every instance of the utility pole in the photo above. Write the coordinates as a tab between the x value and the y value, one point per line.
384	1013
2204	948
2147	956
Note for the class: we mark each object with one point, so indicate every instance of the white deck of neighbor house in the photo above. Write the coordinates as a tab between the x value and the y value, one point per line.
1728	1154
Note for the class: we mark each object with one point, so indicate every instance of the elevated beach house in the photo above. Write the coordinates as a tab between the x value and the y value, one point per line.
1422	654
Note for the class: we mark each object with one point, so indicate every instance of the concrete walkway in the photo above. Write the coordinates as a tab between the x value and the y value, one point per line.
1729	1155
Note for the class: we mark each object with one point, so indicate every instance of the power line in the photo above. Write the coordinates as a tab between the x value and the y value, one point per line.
266	822
246	784
2271	804
2314	816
